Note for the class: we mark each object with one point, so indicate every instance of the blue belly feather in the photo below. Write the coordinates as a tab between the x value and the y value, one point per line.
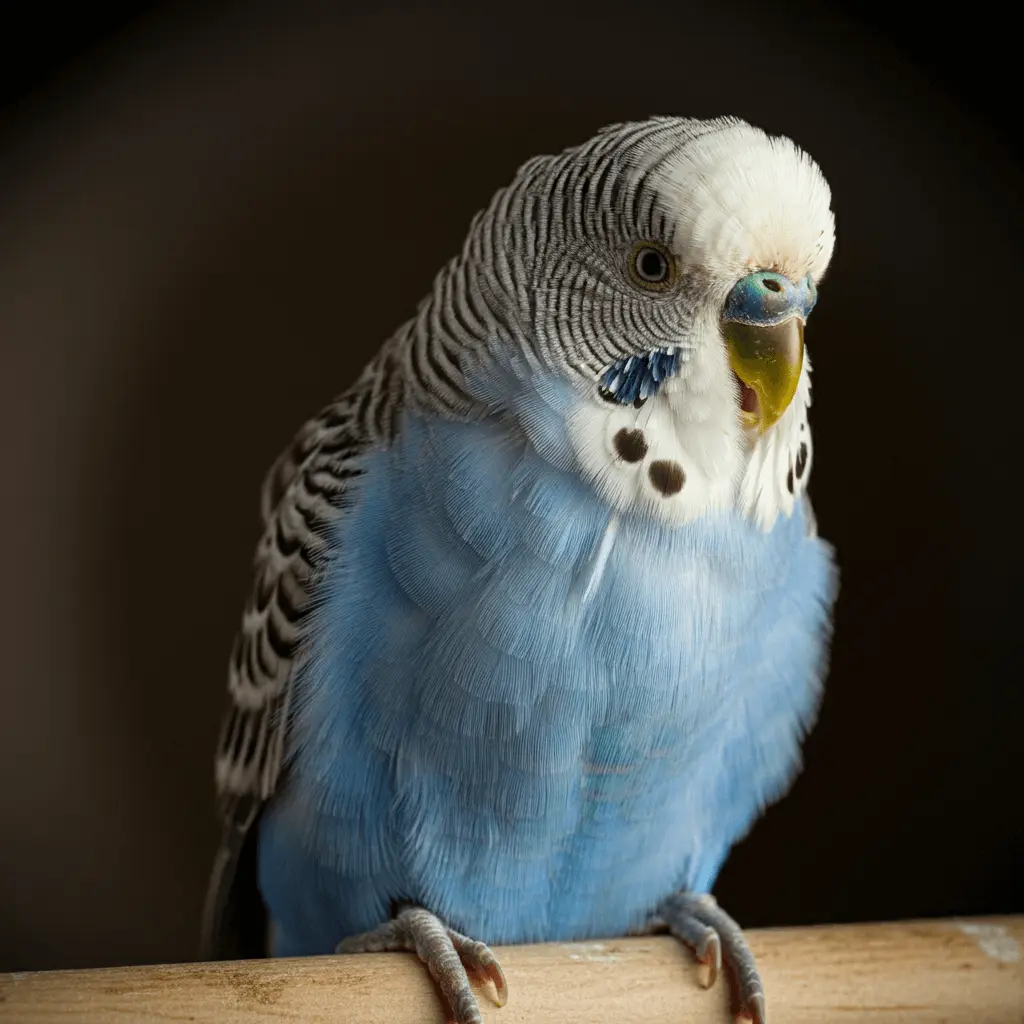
533	740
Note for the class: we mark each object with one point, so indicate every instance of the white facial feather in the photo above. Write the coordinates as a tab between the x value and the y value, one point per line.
744	201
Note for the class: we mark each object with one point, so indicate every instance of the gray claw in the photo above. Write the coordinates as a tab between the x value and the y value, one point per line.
709	952
754	1008
445	952
715	936
480	959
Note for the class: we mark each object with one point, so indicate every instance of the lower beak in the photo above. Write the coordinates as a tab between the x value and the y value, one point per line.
768	360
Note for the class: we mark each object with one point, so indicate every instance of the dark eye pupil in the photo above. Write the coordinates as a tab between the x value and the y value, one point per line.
651	265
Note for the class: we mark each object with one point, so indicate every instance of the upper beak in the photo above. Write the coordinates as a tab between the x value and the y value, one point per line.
763	324
768	359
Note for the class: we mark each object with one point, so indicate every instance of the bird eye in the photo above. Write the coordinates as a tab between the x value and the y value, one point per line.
651	266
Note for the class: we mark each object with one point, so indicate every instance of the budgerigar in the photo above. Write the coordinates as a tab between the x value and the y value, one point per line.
540	614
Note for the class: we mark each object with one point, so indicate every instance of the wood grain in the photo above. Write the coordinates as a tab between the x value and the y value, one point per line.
969	971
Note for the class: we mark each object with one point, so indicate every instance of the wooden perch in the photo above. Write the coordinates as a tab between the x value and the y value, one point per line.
968	971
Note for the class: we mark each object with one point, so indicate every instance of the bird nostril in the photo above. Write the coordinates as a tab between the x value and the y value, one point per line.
771	284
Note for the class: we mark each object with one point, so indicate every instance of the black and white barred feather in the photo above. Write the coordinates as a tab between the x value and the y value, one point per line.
302	495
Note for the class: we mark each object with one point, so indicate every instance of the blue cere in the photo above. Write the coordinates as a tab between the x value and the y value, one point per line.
767	298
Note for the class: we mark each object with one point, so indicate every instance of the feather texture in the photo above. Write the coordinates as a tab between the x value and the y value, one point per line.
529	766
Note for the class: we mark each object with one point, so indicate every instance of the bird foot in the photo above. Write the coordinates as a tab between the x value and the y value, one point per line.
698	921
446	953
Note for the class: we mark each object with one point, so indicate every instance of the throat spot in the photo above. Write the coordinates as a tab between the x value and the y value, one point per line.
647	452
667	461
667	477
631	445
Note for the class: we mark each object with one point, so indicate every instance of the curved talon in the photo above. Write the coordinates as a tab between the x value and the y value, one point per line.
480	958
709	953
714	936
755	1008
496	976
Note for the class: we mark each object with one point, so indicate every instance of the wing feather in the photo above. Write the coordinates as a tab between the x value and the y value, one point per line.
301	499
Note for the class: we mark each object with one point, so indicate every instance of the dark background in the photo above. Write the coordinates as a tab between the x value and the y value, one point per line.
212	214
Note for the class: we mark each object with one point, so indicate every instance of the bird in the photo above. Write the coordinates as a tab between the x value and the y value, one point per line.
540	614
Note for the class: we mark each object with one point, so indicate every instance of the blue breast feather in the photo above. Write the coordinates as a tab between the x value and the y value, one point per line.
531	764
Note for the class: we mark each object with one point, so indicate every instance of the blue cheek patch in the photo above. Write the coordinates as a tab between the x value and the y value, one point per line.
634	380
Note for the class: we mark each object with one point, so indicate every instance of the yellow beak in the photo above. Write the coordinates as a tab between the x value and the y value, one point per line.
768	359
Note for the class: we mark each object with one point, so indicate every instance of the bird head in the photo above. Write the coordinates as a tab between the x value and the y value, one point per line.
668	269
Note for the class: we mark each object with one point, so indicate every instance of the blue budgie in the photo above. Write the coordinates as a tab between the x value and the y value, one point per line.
540	614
